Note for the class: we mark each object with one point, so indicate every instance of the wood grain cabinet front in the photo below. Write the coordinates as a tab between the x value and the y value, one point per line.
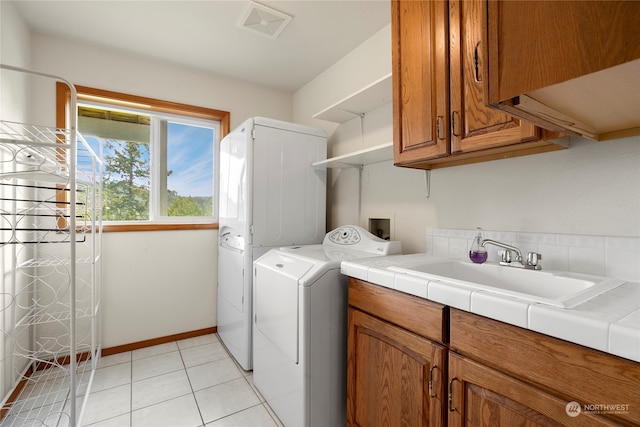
501	374
481	396
414	362
440	115
474	125
420	70
395	375
566	65
395	378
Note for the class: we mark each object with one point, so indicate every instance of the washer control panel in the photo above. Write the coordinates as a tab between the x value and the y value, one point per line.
346	235
357	238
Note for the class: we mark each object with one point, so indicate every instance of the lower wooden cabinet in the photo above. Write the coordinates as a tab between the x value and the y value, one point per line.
413	362
481	396
538	374
396	360
395	377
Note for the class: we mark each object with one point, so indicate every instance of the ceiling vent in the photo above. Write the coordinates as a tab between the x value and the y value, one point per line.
263	20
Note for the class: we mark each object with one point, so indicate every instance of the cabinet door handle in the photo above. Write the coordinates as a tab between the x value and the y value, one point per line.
439	127
453	123
451	408
476	63
431	393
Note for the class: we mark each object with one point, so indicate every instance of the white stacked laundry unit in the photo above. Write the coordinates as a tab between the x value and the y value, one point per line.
270	196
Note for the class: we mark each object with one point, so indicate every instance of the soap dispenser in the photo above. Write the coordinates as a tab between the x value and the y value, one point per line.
478	253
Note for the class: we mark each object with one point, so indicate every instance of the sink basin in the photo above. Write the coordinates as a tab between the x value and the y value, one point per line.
556	288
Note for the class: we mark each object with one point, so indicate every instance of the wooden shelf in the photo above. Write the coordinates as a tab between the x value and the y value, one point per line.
357	159
366	99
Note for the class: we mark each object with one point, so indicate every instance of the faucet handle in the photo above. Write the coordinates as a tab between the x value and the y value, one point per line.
506	256
533	258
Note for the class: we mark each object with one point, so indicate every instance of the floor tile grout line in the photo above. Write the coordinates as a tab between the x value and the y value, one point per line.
161	401
263	401
190	385
240	410
131	389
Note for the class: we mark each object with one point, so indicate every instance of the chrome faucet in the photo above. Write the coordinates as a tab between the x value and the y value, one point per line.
532	262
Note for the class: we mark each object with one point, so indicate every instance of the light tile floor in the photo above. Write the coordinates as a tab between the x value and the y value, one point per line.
187	383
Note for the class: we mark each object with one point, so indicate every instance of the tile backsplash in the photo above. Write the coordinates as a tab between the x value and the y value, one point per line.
609	256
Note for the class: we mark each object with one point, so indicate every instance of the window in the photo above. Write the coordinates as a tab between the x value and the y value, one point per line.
160	159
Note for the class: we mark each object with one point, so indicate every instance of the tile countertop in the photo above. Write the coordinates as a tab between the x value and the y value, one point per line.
609	322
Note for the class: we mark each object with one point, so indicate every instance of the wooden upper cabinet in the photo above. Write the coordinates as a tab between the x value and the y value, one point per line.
475	126
567	65
420	74
440	117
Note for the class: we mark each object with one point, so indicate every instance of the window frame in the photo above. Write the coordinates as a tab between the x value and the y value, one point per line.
116	99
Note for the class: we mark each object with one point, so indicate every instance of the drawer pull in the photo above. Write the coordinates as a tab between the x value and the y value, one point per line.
431	393
476	64
453	123
451	408
440	127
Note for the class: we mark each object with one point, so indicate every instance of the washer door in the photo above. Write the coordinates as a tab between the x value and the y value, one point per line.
231	275
276	301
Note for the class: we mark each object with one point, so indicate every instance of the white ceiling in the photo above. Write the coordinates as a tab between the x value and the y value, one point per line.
204	35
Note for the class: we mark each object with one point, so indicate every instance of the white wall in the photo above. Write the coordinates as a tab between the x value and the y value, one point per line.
158	283
14	50
591	188
101	68
155	283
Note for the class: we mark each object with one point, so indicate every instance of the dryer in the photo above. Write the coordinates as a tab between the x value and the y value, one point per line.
300	325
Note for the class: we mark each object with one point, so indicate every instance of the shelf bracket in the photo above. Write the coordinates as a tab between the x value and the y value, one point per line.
355	113
427	183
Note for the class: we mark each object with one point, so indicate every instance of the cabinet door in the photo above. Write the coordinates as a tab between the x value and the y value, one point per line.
394	377
582	374
566	65
481	396
420	76
474	126
535	44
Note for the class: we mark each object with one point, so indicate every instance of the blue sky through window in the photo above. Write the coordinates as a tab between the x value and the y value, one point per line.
190	158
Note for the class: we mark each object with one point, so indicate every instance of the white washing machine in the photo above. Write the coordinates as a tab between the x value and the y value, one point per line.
300	325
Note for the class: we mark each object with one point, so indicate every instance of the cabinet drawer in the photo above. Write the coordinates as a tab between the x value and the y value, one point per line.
565	369
425	318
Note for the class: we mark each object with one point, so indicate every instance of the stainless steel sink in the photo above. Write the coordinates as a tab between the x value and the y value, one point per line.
556	288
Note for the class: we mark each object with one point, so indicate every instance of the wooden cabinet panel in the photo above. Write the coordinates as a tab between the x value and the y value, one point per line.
474	126
440	117
574	372
419	73
394	377
535	44
490	374
418	315
566	65
480	396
